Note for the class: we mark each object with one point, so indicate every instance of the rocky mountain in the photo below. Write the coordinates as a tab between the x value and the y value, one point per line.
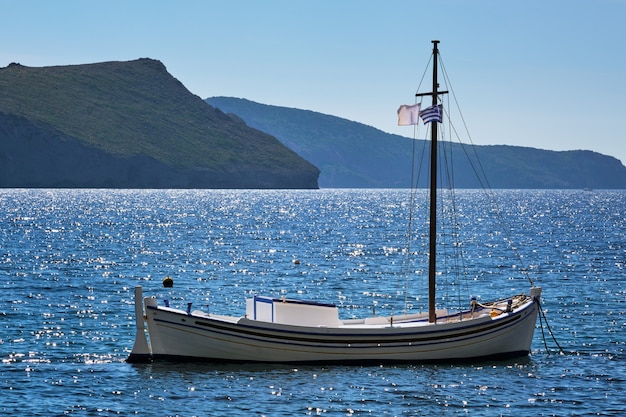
130	125
351	154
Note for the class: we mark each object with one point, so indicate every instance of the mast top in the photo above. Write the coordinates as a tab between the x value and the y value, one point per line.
435	91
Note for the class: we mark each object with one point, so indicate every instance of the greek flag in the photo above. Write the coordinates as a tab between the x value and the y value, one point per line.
432	114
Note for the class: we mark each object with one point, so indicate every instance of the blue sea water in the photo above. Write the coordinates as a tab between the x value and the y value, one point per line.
69	260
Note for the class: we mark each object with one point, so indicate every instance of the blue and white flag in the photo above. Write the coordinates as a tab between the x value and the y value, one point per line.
408	115
432	114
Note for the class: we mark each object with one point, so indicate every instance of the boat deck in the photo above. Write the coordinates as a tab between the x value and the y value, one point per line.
493	309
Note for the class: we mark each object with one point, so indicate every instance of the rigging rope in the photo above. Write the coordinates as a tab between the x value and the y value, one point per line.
415	177
482	176
486	187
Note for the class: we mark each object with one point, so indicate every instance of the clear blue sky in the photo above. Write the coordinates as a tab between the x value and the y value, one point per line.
538	73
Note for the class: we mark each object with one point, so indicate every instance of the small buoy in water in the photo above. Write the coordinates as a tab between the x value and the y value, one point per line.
168	282
296	262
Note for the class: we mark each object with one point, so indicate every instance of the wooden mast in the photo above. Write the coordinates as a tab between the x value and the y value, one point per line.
432	250
432	244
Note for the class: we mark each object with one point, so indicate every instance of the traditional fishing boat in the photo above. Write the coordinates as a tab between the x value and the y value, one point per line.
288	330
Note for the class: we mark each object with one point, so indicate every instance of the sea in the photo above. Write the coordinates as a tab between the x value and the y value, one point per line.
70	260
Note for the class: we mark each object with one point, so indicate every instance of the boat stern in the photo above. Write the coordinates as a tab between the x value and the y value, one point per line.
141	353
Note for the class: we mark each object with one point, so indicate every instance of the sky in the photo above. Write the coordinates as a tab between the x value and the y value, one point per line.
548	74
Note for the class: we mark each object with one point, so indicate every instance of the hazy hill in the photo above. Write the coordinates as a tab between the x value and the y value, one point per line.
130	124
351	154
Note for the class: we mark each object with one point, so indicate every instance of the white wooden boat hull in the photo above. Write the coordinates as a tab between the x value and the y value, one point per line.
178	335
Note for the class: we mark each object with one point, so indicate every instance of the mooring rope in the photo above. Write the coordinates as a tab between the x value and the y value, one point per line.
542	318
